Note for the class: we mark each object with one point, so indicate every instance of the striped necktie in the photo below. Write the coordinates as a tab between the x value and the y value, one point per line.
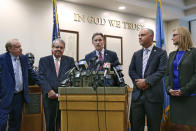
18	75
145	60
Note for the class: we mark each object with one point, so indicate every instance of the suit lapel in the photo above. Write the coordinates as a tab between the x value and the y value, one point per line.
140	59
105	56
171	61
10	65
22	66
52	66
62	65
153	52
186	53
94	54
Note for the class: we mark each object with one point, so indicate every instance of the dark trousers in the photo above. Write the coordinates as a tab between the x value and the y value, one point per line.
141	108
14	115
3	120
52	113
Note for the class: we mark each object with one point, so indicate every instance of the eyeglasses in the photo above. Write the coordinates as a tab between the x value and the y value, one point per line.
175	35
60	47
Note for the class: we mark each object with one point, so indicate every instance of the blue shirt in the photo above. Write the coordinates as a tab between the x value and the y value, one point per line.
176	62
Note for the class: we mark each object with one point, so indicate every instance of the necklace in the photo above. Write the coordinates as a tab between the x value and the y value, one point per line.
179	56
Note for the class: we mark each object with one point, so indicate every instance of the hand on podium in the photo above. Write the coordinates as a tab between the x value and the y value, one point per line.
52	94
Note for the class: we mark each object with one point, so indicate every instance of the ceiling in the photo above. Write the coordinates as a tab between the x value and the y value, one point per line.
171	9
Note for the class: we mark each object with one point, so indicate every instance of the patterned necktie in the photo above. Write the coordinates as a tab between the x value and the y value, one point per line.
100	59
57	66
145	60
18	75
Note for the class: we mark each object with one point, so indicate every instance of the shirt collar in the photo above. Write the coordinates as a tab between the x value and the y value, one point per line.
149	48
14	57
102	52
56	58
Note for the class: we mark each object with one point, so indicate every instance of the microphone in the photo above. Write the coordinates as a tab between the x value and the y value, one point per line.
77	66
67	75
117	69
82	64
99	63
115	64
96	79
93	59
107	67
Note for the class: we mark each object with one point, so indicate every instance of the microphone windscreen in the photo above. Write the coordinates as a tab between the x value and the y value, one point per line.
99	63
107	65
77	66
83	64
115	63
94	59
118	67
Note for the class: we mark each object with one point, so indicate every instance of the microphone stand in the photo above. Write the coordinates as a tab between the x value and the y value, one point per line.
120	79
96	79
67	81
104	86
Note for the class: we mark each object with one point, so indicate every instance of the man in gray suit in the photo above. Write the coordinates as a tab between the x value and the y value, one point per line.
52	70
146	70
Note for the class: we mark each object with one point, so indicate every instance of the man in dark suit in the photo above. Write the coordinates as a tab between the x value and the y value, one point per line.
146	70
52	70
14	70
102	54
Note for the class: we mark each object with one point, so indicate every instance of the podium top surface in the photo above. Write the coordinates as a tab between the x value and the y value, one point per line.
90	90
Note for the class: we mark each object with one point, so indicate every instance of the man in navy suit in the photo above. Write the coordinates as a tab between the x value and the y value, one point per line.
146	70
14	70
103	56
52	70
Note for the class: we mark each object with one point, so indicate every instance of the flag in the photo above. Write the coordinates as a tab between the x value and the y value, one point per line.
55	33
160	38
160	42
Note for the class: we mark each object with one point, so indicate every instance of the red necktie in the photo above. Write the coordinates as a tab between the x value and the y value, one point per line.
100	59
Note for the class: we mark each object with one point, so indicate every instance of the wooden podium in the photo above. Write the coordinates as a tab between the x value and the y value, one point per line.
86	109
32	117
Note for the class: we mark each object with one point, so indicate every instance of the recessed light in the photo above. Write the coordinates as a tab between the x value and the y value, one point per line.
121	7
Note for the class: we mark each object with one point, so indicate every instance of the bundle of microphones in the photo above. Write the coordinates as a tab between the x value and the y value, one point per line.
81	68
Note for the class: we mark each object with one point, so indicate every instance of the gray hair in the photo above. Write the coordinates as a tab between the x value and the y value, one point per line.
150	31
10	43
58	40
98	33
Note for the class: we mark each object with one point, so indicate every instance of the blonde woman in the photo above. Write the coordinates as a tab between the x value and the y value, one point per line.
181	80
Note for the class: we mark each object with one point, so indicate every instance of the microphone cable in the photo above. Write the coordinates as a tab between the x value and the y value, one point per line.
98	123
105	105
66	105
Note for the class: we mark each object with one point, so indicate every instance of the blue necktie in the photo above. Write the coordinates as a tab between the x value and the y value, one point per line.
18	76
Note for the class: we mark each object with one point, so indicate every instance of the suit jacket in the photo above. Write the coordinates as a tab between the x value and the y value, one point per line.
7	80
109	56
187	72
155	70
48	78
